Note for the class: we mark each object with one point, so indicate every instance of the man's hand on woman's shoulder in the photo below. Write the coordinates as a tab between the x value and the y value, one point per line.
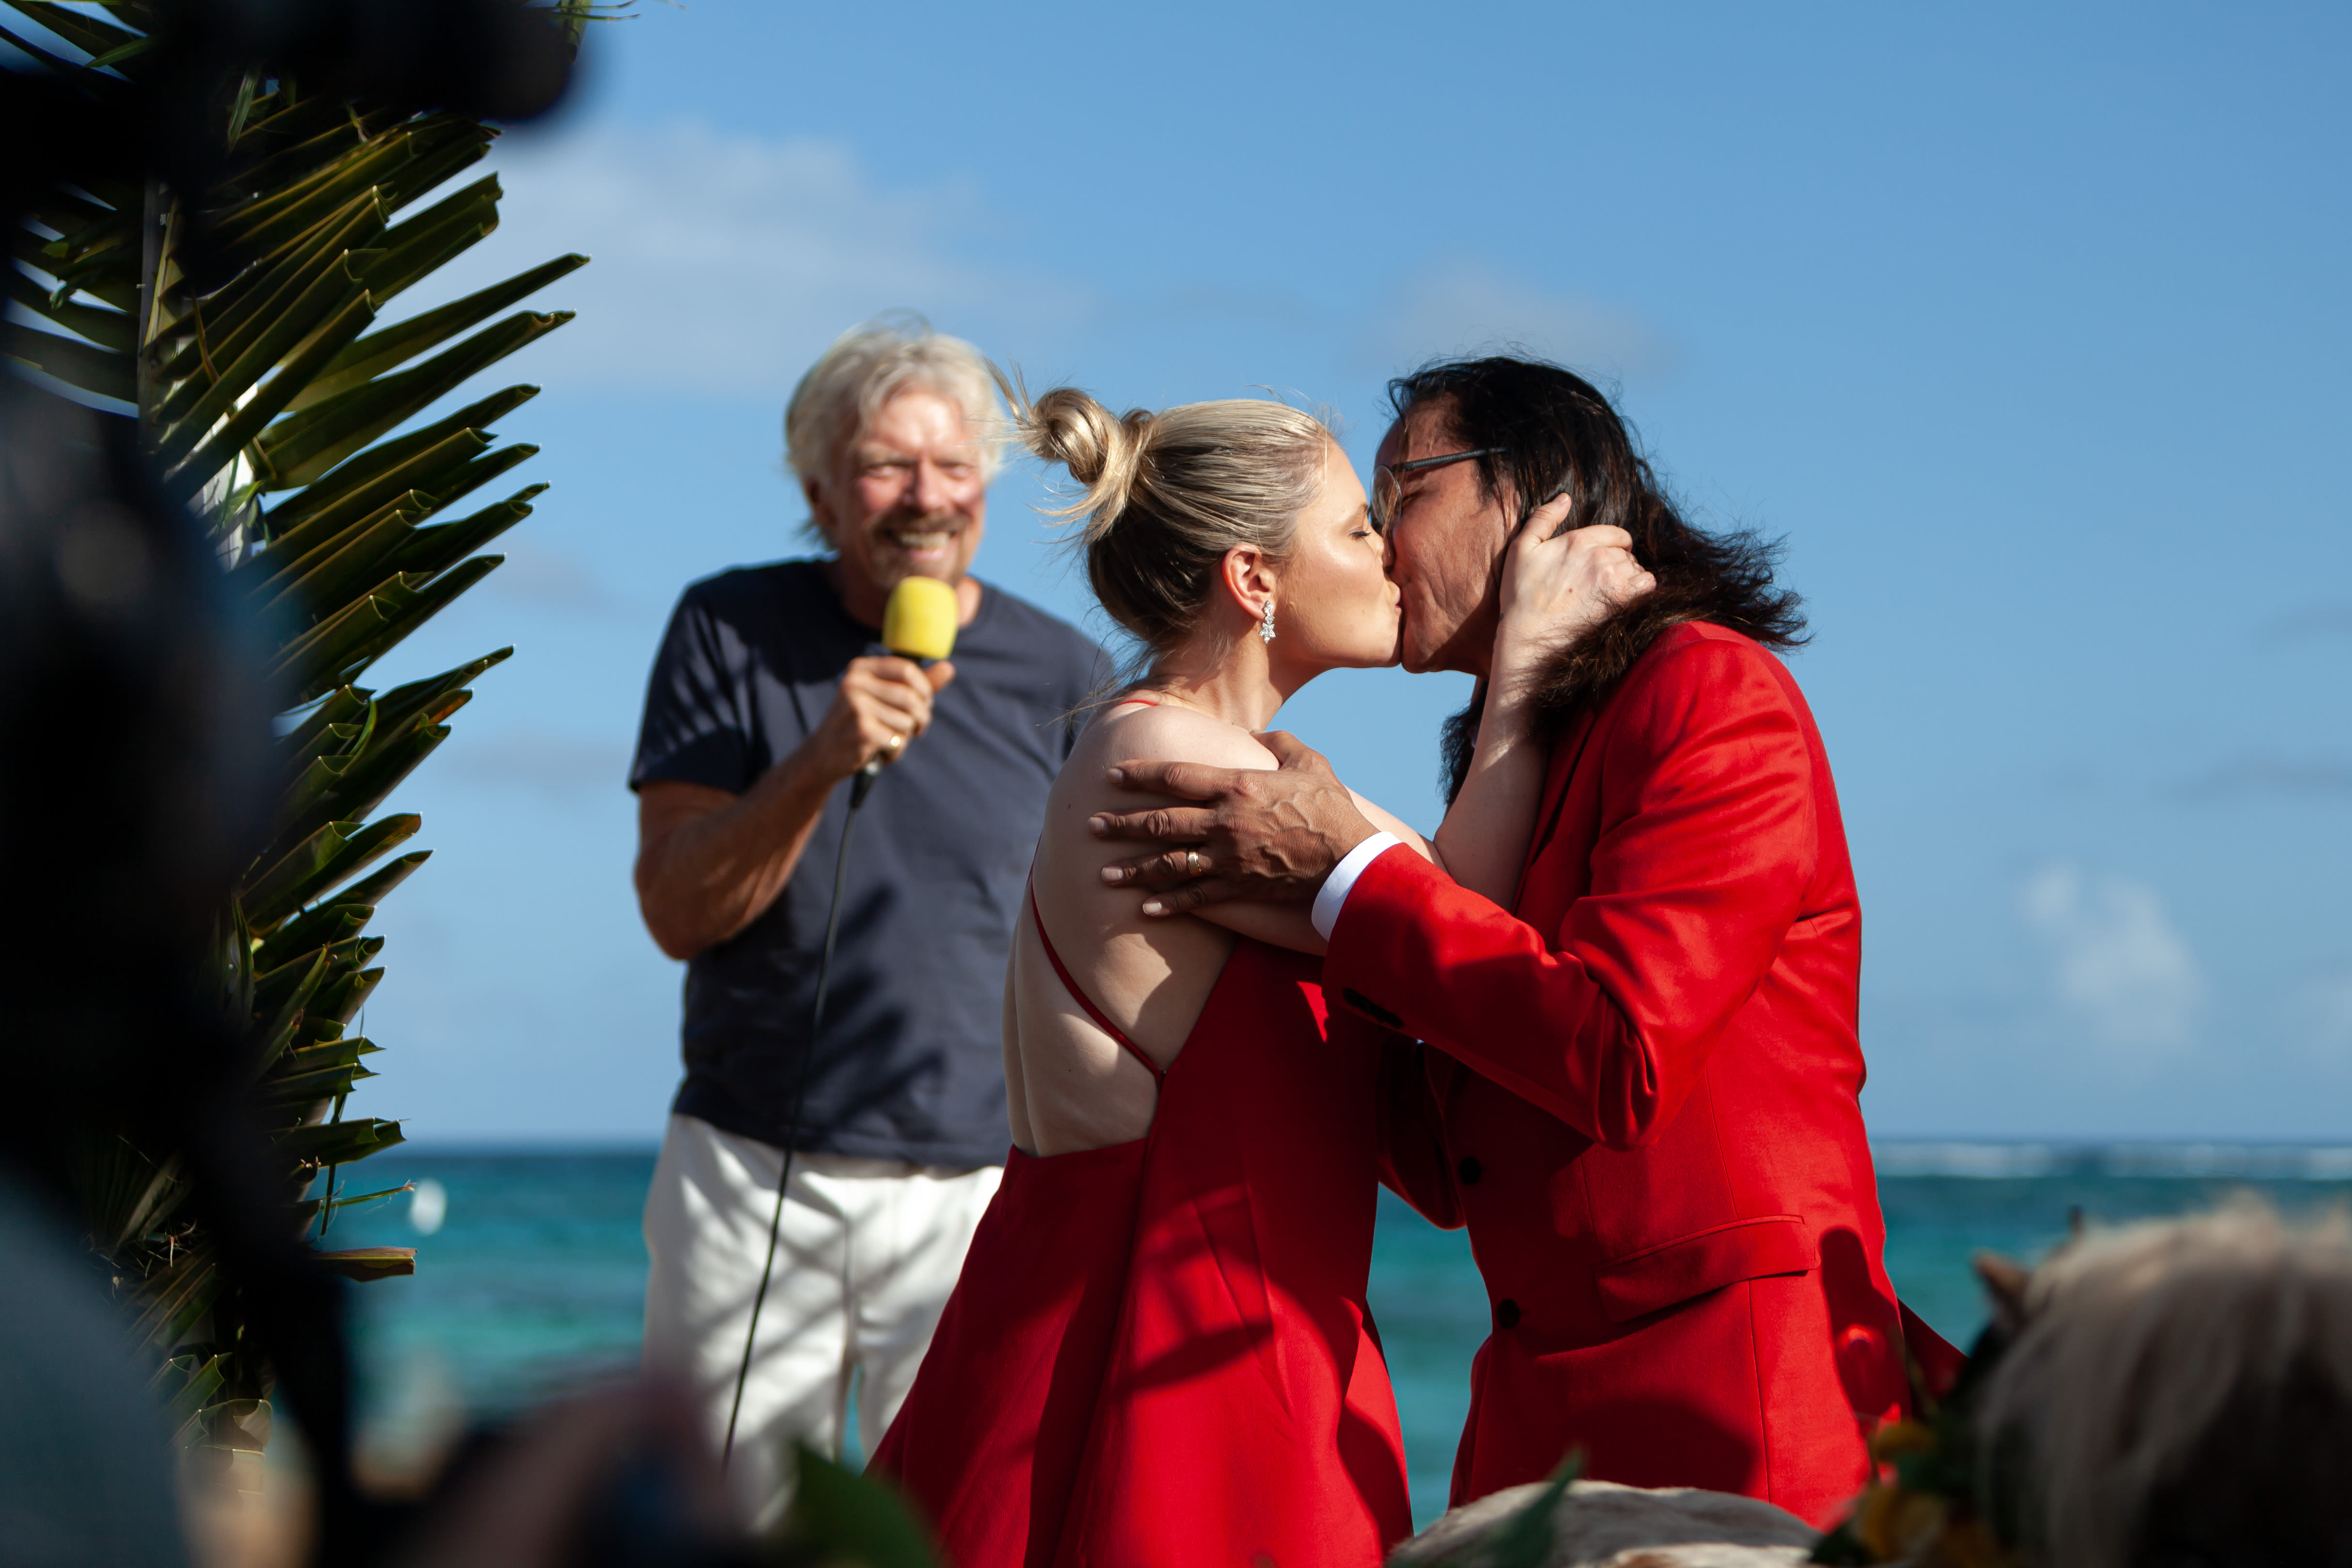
1267	836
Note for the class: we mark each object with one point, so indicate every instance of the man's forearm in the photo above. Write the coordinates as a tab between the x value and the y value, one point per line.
713	874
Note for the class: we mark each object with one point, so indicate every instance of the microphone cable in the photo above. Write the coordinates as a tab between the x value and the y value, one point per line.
862	785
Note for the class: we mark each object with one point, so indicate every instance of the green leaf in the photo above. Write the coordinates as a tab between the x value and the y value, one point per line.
109	88
86	33
333	653
157	1201
431	550
271	989
313	1088
467	144
285	119
316	780
192	1381
337	1002
336	853
440	696
175	1299
333	290
305	446
307	1209
371	890
416	247
225	324
377	463
322	141
364	1263
221	449
839	1517
131	50
337	1143
314	930
322	732
277	215
78	364
267	576
362	782
330	579
279	1033
380	352
110	329
1525	1539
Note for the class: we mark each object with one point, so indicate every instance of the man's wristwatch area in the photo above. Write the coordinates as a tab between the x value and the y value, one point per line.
1336	887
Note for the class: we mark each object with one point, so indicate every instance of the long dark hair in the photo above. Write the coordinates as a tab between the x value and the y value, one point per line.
1555	431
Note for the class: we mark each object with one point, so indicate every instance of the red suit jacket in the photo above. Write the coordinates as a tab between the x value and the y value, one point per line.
1638	1091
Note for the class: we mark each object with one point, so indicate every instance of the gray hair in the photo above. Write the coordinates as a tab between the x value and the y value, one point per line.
2164	1369
870	365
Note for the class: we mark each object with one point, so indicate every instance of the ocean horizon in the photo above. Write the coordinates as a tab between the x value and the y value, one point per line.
530	1266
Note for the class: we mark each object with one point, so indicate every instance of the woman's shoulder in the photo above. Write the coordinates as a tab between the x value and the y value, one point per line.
1164	732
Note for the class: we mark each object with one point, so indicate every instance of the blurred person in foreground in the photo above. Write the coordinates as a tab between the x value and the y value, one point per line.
2167	1393
770	691
2178	1392
1633	1071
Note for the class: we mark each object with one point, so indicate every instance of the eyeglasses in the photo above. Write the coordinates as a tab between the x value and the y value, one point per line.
1388	491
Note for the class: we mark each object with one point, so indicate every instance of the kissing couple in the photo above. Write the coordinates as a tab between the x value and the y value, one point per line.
1605	1016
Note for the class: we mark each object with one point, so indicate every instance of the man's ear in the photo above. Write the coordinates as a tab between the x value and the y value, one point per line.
820	514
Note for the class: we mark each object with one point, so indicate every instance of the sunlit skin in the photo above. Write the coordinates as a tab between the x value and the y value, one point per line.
907	498
1445	550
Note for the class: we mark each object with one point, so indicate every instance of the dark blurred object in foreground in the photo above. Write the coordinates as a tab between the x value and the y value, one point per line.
2168	1393
136	771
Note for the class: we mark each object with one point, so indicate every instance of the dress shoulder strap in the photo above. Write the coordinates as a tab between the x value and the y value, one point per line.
1102	1021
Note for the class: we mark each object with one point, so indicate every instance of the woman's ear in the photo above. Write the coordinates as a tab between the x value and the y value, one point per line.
1250	579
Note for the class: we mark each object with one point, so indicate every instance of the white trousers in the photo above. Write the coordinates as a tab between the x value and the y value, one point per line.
866	1256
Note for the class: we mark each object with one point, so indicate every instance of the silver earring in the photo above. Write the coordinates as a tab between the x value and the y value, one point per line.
1265	627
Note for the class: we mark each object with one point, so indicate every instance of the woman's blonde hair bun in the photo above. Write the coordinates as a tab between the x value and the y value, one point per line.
1168	494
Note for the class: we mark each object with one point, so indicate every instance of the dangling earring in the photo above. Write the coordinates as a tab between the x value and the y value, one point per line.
1265	627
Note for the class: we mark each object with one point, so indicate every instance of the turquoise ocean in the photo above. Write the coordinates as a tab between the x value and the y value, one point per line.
532	1283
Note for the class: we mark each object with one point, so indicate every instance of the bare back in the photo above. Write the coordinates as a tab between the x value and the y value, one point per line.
1070	1085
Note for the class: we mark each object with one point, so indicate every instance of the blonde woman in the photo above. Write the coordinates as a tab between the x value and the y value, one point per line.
1159	1350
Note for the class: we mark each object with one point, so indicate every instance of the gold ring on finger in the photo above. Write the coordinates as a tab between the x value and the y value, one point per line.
1191	862
895	744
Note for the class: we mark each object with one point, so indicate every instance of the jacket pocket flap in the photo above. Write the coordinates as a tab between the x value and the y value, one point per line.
1705	1260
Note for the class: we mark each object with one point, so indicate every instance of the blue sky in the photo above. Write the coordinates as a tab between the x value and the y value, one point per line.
2025	326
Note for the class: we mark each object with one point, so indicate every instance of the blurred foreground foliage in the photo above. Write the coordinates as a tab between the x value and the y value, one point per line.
248	335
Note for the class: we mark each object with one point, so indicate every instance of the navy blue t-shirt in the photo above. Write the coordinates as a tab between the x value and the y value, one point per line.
912	1065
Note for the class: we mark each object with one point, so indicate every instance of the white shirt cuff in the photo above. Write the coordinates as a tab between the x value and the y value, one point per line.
1342	880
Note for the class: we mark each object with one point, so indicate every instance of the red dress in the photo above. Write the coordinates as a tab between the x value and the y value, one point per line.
1158	1352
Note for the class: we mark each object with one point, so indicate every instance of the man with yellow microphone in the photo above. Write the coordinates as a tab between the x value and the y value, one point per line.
842	1126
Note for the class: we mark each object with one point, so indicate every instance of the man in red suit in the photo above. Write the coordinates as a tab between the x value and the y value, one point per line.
1637	1086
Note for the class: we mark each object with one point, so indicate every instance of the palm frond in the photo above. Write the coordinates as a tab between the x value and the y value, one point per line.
276	398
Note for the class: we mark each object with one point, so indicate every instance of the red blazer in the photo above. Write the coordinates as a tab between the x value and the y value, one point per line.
1639	1093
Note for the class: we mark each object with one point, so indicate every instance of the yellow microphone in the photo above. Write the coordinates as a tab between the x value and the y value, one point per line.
919	624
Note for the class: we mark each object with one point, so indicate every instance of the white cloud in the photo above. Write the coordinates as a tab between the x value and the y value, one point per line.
725	263
1463	306
2118	964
